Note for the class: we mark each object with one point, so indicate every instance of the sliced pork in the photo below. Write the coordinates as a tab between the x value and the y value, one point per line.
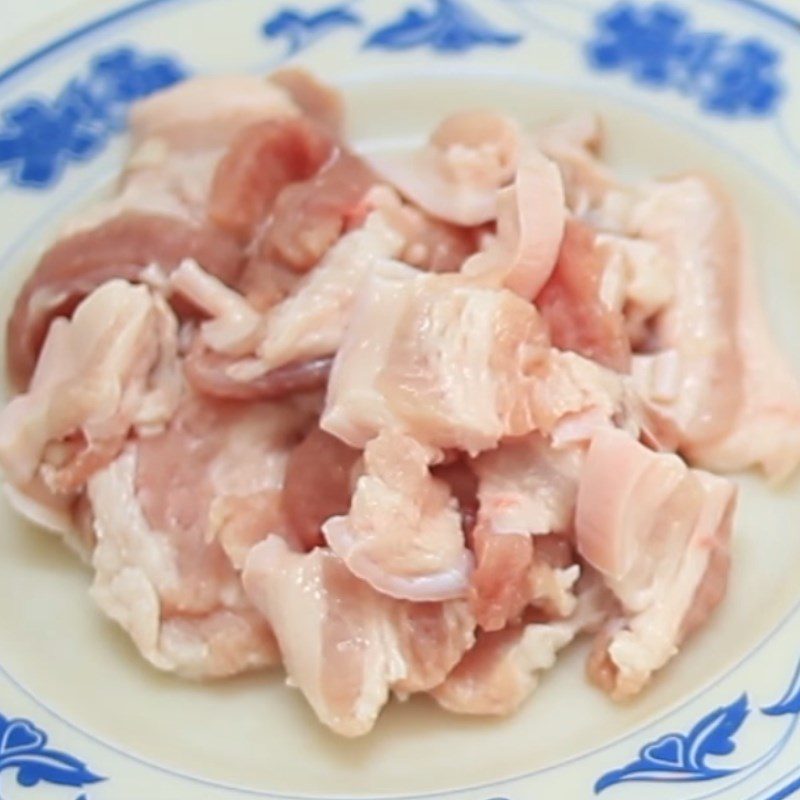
100	374
658	532
408	421
175	516
403	533
346	646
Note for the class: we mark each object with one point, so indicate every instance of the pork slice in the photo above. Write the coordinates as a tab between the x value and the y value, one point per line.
175	517
319	484
178	138
119	248
693	224
457	175
460	366
658	533
309	216
638	282
497	675
209	111
184	611
574	143
454	368
526	493
111	367
578	316
234	325
530	226
316	100
355	409
403	532
311	322
431	244
227	378
344	645
260	163
766	430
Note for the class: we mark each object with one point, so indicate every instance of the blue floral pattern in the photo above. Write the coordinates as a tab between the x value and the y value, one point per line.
790	702
300	30
679	757
657	46
451	26
685	757
38	138
23	749
447	26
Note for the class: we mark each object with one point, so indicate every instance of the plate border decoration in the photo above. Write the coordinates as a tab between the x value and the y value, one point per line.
24	750
39	137
443	27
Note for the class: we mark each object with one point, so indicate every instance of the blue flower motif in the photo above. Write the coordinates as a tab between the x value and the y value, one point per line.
451	26
23	748
301	30
39	137
657	46
790	702
684	757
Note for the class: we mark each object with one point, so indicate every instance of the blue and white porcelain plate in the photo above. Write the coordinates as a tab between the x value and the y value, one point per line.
707	83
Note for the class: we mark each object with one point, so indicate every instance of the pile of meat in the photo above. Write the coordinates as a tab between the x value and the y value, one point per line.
405	422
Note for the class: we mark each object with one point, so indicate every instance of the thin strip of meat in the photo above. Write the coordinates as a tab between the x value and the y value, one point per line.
209	373
120	248
319	485
97	377
457	175
344	645
309	216
403	531
571	303
530	226
659	534
261	162
321	103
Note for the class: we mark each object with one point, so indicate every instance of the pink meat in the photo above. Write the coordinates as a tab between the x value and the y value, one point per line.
574	144
572	306
500	586
319	102
311	321
527	491
443	326
319	484
111	367
530	226
766	430
208	373
308	217
463	485
175	515
658	533
178	138
344	645
260	163
209	111
120	248
459	366
692	221
457	175
403	532
500	672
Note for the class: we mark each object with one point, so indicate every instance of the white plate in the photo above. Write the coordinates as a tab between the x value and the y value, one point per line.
713	84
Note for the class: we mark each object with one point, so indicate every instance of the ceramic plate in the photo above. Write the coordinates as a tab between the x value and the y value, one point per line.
682	85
